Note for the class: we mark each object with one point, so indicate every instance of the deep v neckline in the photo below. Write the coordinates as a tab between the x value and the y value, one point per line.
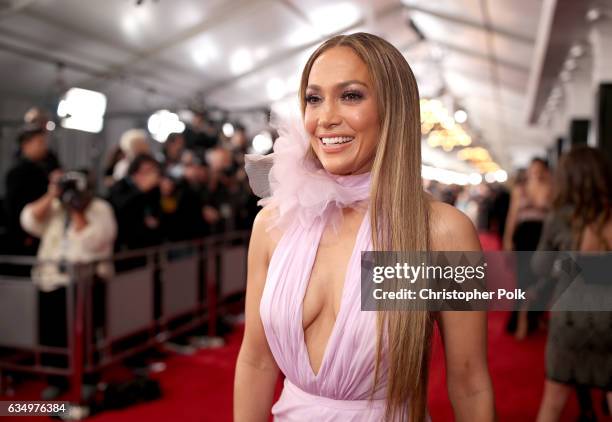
341	306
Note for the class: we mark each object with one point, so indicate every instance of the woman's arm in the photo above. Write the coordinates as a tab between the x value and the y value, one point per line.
464	333
256	369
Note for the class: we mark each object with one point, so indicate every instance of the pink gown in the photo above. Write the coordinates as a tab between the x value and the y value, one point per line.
341	388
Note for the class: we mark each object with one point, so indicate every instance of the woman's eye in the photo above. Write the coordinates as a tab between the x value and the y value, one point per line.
352	96
312	99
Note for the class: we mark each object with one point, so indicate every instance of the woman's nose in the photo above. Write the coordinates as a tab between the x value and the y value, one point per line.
329	115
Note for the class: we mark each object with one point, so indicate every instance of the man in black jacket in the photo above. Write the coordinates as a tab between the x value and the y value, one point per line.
27	181
136	201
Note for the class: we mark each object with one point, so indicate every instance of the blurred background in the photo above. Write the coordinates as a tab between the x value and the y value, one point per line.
126	209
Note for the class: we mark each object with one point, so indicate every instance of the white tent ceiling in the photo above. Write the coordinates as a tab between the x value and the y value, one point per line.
238	54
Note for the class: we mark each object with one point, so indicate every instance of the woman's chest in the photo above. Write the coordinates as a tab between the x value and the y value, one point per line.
327	280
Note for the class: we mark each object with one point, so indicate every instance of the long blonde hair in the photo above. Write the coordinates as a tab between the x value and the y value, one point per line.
399	212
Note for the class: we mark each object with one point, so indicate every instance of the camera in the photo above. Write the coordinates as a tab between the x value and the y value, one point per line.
75	192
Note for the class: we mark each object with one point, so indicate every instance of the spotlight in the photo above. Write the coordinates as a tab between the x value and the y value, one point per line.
228	129
162	123
82	109
262	143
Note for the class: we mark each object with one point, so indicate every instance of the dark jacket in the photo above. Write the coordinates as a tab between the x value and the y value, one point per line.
25	182
132	207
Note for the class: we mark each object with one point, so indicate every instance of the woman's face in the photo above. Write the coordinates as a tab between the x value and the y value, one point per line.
537	172
341	114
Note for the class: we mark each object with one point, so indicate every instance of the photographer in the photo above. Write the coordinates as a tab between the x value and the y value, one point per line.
73	226
136	203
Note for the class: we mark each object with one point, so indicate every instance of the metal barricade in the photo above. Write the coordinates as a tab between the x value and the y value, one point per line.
163	292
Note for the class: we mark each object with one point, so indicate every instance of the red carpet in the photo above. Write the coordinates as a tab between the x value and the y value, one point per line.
199	388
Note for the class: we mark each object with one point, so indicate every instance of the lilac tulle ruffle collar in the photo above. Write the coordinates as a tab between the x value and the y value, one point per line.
293	185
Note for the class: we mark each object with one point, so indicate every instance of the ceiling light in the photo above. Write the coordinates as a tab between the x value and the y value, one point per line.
436	52
570	64
205	54
565	76
593	14
301	36
577	50
293	83
260	53
460	116
241	61
334	17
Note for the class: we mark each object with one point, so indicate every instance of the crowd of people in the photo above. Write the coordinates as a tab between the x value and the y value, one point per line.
197	186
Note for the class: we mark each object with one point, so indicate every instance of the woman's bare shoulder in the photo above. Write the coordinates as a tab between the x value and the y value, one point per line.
450	229
264	238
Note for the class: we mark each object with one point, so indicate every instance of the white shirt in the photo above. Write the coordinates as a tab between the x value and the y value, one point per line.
60	243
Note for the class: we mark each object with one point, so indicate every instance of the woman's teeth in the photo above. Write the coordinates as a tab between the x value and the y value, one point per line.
337	140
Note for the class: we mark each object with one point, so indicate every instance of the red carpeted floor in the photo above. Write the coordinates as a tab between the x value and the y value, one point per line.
199	388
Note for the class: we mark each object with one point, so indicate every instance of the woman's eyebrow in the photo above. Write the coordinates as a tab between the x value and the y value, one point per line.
339	85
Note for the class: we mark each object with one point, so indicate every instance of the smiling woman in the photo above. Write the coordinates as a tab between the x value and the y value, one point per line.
361	159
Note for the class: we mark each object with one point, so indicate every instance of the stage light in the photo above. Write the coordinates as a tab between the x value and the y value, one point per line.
162	123
82	109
